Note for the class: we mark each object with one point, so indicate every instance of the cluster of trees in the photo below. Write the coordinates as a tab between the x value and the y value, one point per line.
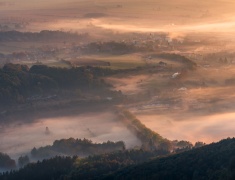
92	167
176	58
96	167
214	161
181	146
79	147
23	161
18	82
55	168
80	77
6	162
150	140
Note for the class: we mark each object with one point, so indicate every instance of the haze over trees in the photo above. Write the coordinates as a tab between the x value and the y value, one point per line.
6	162
108	89
76	147
214	161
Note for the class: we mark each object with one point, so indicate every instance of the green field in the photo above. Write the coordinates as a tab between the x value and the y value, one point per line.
127	61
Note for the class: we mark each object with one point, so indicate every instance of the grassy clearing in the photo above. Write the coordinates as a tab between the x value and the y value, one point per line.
121	62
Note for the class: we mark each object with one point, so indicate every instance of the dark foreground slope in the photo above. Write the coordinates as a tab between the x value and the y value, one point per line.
214	161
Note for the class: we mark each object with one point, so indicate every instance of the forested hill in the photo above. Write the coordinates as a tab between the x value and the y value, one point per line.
214	161
19	83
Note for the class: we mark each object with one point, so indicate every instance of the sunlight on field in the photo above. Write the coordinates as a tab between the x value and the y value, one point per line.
128	85
119	61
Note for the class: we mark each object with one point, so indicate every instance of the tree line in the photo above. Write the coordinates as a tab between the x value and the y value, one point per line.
19	82
214	161
78	147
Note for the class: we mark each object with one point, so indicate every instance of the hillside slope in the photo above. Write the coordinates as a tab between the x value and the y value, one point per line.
214	161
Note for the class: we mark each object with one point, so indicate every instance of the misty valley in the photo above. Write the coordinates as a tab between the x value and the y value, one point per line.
117	90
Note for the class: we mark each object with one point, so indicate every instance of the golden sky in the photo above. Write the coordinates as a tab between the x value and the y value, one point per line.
143	16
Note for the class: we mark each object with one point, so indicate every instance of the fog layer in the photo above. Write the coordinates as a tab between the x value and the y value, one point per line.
19	139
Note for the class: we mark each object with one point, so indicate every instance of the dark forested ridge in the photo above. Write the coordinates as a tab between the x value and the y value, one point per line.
150	140
50	169
92	167
214	161
20	84
97	167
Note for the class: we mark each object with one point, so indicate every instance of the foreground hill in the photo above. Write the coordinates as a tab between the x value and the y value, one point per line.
214	161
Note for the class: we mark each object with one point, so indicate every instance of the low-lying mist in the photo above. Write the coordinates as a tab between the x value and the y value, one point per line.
19	139
210	128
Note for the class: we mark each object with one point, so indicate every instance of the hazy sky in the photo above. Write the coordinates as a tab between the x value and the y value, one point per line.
136	15
207	3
